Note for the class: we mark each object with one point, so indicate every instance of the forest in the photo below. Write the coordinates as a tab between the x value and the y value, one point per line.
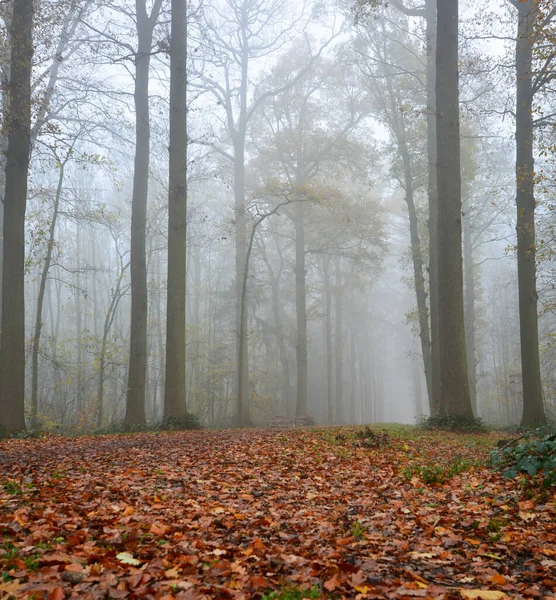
278	299
223	212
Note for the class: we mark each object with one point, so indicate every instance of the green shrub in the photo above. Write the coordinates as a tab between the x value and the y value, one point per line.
534	454
190	421
453	423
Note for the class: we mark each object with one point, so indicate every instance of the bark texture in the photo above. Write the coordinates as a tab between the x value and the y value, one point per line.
454	385
136	386
533	408
430	15
18	124
174	395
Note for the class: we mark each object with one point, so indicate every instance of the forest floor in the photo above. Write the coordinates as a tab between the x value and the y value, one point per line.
270	514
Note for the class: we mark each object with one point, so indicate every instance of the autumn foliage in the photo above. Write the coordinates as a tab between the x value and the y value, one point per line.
269	514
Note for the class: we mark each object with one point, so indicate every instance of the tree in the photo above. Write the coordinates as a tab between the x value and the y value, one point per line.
12	343
454	384
135	404
174	394
245	33
298	148
394	84
526	87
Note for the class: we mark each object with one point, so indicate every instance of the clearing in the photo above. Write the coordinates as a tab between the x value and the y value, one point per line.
270	514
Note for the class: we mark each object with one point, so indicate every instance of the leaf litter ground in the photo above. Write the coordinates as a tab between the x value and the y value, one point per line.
269	514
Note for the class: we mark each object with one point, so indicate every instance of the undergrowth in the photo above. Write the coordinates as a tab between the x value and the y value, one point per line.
439	472
190	421
453	423
533	454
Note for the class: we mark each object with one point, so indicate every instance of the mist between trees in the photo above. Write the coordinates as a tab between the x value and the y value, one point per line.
242	209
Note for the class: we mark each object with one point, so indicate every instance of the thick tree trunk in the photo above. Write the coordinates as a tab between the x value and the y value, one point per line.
533	408
300	309
174	397
18	123
434	396
6	12
137	376
454	384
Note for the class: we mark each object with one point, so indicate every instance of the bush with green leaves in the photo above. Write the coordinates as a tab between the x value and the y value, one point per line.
533	454
190	421
453	423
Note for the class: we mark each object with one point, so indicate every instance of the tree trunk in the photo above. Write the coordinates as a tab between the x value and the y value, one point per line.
454	384
108	320
469	276
430	10
6	10
40	301
135	402
241	253
354	416
328	341
416	251
533	407
339	344
174	397
300	309
18	123
279	329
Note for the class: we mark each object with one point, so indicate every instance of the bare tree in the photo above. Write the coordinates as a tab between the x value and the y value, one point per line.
239	36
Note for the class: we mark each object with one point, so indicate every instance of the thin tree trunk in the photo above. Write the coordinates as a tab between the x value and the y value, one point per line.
137	375
353	373
533	407
40	300
279	330
339	343
300	309
78	318
174	396
328	341
18	123
108	320
454	383
469	276
416	251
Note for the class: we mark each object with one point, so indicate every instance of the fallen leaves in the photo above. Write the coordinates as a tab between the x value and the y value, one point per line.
237	514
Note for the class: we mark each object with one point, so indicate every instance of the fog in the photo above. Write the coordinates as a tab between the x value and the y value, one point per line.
310	180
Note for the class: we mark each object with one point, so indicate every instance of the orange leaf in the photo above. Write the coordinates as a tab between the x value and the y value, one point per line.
158	529
56	594
332	583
